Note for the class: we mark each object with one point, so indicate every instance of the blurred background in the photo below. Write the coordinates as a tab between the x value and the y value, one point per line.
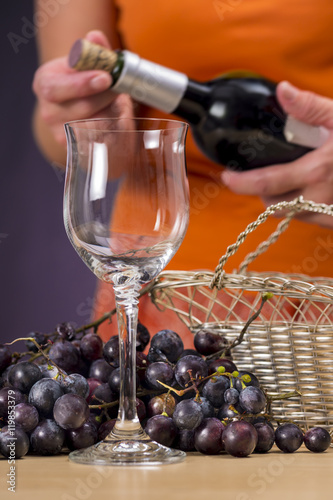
42	280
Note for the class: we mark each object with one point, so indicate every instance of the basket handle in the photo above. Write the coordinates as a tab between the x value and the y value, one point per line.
294	206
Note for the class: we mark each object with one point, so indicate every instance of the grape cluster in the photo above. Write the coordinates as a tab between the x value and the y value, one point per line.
193	400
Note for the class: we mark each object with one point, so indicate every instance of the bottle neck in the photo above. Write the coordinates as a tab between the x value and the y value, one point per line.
149	83
193	103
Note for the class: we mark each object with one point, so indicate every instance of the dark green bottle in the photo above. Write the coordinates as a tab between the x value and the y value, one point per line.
235	119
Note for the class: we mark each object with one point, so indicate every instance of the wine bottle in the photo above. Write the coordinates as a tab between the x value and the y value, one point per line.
235	119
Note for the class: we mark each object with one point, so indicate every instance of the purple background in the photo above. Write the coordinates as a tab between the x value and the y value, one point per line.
42	280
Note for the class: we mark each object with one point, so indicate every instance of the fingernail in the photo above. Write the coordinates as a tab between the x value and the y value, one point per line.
288	90
101	82
225	177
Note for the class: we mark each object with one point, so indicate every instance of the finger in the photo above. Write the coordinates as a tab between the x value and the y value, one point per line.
305	106
57	82
115	106
277	180
78	109
98	37
121	107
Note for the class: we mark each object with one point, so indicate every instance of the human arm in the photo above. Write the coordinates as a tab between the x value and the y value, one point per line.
62	93
310	176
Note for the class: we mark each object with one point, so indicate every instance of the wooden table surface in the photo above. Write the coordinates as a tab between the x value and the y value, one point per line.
274	476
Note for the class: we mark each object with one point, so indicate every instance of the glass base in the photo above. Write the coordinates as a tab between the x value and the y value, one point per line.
114	451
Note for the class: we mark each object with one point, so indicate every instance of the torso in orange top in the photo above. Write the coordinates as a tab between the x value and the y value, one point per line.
280	39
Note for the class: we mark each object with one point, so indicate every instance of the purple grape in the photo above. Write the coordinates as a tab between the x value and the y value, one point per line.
237	383
91	347
4	377
105	428
169	342
50	371
214	364
154	355
5	357
207	342
162	403
93	383
43	394
187	414
75	384
208	436
207	408
47	438
252	399
9	397
83	368
190	352
23	376
140	409
240	438
83	437
142	337
70	411
114	380
161	429
102	394
26	416
111	351
260	419
225	412
214	390
14	442
39	337
288	438
185	440
141	366
159	371
196	365
66	356
231	396
266	437
66	331
100	369
317	439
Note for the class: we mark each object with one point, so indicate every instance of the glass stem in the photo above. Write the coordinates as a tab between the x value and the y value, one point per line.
127	299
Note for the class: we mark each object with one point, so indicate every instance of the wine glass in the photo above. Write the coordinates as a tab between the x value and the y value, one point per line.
126	213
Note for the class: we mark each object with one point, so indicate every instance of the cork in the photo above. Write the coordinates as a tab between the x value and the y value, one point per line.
85	55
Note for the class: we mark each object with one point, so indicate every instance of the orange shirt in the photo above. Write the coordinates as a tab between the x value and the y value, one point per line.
280	39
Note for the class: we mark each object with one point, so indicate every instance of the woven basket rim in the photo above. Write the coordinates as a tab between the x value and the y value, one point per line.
292	285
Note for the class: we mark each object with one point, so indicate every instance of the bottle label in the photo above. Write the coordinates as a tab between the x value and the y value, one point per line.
150	83
304	134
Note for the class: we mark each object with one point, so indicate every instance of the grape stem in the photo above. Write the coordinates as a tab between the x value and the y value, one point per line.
41	353
279	397
95	324
139	394
226	351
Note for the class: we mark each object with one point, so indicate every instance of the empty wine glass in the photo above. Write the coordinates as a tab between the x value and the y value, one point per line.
126	213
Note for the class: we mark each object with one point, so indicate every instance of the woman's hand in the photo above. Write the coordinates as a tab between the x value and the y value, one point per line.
310	176
64	95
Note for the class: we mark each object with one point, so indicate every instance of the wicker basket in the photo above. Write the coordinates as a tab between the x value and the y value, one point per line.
290	345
